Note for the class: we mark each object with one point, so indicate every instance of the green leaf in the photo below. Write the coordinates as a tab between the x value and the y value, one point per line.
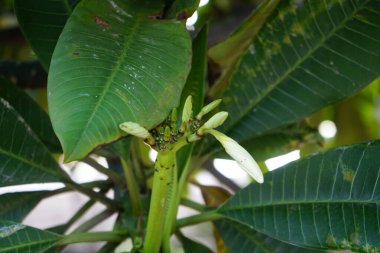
16	237
308	55
114	63
196	81
42	23
34	116
191	246
327	201
241	239
23	157
15	206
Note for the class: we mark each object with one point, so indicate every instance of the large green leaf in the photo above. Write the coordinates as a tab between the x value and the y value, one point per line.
113	63
241	239
16	237
328	201
15	206
42	23
23	157
36	118
309	54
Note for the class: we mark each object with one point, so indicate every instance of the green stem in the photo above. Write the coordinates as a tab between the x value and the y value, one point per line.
113	205
80	212
92	237
108	172
133	189
94	221
162	181
193	205
83	210
199	218
172	211
169	227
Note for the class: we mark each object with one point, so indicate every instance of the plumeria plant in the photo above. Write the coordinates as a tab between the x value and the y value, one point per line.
122	78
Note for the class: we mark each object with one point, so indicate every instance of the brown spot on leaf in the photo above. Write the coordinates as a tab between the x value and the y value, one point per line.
101	22
76	53
330	241
348	175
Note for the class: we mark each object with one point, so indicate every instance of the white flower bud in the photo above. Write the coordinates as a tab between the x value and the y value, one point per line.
208	108
187	110
215	121
240	155
135	129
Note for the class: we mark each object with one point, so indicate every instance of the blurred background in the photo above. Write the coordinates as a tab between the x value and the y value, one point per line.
351	121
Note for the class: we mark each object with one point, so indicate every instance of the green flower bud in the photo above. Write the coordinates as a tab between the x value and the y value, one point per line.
208	108
187	110
167	134
135	129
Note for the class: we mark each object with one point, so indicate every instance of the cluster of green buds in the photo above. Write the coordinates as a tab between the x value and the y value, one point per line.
172	135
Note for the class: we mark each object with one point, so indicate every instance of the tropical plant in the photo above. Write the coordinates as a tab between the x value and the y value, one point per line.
125	73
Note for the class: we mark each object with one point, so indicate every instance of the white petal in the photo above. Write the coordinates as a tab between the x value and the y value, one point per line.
135	129
240	155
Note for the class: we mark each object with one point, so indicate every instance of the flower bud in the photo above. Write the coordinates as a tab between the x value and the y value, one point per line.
187	110
239	154
208	108
215	121
135	129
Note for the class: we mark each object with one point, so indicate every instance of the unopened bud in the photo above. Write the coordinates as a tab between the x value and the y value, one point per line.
215	121
208	108
187	110
167	134
135	129
240	155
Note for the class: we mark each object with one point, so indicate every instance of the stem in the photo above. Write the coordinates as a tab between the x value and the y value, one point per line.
92	237
199	218
162	181
108	172
113	205
193	205
228	182
172	211
94	221
80	212
133	189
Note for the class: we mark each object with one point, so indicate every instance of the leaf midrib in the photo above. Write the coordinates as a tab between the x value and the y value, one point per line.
38	166
20	246
308	202
297	63
127	43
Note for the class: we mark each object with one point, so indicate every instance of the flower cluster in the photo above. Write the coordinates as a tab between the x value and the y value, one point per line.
172	134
